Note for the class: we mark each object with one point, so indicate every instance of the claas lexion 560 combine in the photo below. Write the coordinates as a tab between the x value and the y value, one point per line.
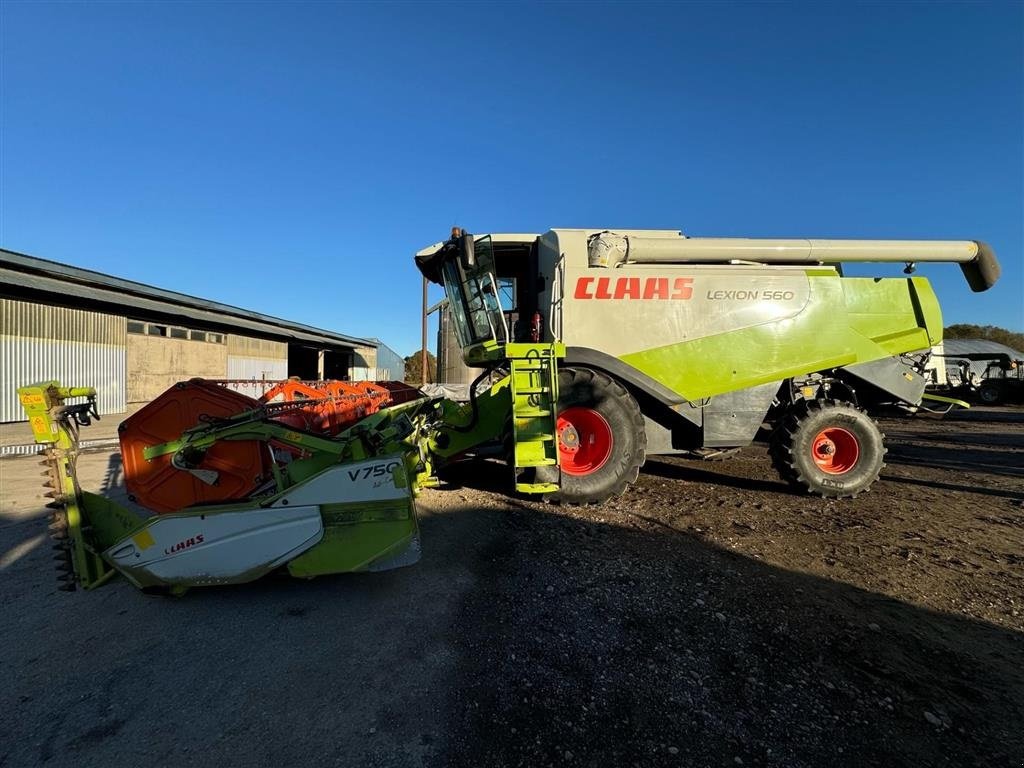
619	345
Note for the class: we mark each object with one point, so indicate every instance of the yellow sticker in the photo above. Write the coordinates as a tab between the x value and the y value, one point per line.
143	539
293	436
31	399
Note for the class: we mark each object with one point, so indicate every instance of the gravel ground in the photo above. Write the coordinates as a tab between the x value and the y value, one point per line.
708	617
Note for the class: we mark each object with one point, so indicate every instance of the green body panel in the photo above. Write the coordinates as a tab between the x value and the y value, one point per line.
457	432
524	401
534	390
899	315
54	425
356	536
484	353
846	321
109	522
950	401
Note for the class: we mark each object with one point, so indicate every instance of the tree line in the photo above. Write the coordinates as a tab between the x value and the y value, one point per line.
1012	339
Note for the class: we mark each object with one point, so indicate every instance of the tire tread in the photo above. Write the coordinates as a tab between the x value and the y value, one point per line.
790	467
587	377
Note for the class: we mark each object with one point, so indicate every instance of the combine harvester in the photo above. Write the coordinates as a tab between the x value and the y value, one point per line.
622	344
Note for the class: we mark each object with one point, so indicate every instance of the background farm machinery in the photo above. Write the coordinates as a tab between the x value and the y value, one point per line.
1001	380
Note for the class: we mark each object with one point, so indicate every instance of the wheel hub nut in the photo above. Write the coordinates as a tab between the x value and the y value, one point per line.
570	438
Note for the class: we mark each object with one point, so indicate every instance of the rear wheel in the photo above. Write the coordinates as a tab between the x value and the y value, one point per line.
601	438
828	448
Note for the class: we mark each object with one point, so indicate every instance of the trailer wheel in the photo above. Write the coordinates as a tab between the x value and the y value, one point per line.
828	448
601	439
990	393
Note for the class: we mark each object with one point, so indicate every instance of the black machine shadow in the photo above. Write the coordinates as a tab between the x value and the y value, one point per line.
558	640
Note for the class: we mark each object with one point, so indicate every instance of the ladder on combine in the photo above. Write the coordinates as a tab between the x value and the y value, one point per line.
534	390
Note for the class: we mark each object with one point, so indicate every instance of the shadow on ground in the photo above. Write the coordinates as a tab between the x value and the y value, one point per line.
994	462
599	643
529	635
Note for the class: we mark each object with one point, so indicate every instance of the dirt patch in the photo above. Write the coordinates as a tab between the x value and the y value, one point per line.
711	617
707	618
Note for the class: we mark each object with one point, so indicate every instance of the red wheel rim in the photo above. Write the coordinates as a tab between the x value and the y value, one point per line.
835	450
584	440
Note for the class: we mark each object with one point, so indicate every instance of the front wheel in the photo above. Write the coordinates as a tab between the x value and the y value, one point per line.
828	448
601	439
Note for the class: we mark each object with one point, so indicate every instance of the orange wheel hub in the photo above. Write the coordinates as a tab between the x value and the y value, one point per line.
584	440
835	450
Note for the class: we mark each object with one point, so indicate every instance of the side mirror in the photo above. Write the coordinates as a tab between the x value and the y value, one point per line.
467	251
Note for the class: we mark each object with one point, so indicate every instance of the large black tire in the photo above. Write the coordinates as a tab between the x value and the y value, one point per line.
828	448
990	393
582	389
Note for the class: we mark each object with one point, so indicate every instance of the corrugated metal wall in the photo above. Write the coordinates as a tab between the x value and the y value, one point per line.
255	360
39	342
390	364
256	368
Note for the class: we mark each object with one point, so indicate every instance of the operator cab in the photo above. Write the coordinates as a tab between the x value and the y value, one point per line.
491	287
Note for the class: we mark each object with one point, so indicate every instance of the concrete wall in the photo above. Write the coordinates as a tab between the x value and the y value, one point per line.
364	357
249	347
157	362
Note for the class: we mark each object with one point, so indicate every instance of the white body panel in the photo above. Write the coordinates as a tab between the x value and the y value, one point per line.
613	310
221	548
379	479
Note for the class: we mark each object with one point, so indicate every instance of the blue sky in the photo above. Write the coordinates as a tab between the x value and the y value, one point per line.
291	158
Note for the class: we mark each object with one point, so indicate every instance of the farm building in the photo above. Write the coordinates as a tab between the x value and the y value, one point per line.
131	341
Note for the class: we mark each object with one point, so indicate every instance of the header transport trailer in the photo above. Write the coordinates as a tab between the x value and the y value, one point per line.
616	346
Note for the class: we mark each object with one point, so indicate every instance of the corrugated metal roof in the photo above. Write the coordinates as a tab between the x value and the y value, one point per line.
953	347
24	277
